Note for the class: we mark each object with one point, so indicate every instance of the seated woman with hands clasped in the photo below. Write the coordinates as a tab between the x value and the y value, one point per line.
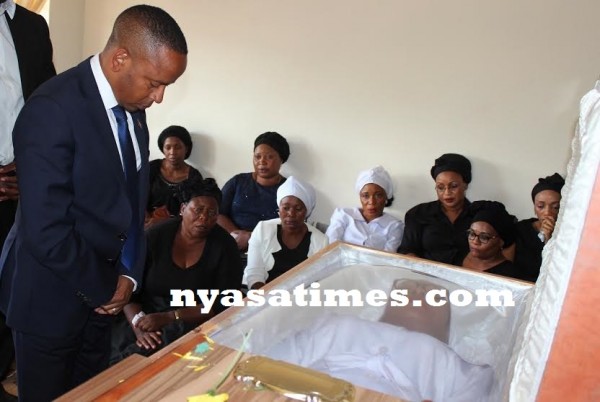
534	233
167	175
277	245
249	198
187	252
369	225
492	230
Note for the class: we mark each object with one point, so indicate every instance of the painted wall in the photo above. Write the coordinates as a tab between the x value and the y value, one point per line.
353	84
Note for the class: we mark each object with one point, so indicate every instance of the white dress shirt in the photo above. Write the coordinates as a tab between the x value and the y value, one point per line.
263	243
109	100
383	233
11	98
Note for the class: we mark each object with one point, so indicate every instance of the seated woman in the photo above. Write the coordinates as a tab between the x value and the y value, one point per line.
369	225
492	230
436	230
277	245
404	354
249	198
533	234
187	252
167	175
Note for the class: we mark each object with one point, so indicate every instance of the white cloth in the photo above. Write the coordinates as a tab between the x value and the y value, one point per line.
377	175
383	233
109	101
263	243
385	358
299	189
11	100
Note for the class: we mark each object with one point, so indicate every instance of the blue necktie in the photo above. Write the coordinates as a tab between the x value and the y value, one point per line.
129	252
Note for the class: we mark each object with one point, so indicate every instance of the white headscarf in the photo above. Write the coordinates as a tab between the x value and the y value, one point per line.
377	175
299	189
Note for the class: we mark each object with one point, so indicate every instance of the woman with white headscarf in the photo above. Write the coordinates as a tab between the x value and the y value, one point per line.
369	225
277	245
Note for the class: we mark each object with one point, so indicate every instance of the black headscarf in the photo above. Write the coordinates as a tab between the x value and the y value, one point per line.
275	141
454	163
178	132
495	214
554	183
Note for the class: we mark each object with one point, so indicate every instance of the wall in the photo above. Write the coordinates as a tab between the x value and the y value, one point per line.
353	84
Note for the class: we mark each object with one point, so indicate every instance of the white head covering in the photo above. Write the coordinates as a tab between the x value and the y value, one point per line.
299	189
377	175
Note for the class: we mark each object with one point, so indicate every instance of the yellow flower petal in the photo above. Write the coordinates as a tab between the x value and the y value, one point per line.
209	398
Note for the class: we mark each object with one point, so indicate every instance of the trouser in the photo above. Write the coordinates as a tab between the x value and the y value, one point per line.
49	367
7	352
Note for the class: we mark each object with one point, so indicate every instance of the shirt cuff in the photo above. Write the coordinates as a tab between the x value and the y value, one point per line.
132	280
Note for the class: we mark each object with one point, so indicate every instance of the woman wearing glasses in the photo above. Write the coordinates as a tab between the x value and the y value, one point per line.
187	252
436	230
492	230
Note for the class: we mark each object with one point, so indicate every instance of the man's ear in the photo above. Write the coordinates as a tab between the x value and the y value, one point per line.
119	59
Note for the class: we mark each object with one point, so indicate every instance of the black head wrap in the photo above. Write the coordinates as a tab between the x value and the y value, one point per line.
495	214
179	132
454	163
275	141
554	183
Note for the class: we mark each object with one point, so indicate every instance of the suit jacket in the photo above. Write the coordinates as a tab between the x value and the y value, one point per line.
31	38
34	49
62	255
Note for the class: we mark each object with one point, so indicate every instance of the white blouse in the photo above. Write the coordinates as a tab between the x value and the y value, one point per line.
263	243
383	233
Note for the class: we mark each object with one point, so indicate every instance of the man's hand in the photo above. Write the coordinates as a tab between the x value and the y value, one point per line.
9	186
119	299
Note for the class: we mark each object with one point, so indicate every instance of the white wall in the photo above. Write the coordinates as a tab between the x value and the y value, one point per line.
353	84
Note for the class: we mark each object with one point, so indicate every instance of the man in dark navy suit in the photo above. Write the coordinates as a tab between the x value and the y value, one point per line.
76	251
26	54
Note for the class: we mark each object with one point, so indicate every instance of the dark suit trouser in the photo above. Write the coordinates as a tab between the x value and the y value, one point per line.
49	367
7	352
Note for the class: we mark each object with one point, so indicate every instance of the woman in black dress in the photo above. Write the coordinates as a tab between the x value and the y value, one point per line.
492	230
187	252
436	230
534	233
167	175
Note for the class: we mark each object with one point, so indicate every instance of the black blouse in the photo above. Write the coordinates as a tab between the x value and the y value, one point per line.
528	250
429	234
219	267
288	258
505	268
163	192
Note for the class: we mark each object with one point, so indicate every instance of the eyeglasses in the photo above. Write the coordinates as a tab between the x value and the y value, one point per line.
483	237
452	187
